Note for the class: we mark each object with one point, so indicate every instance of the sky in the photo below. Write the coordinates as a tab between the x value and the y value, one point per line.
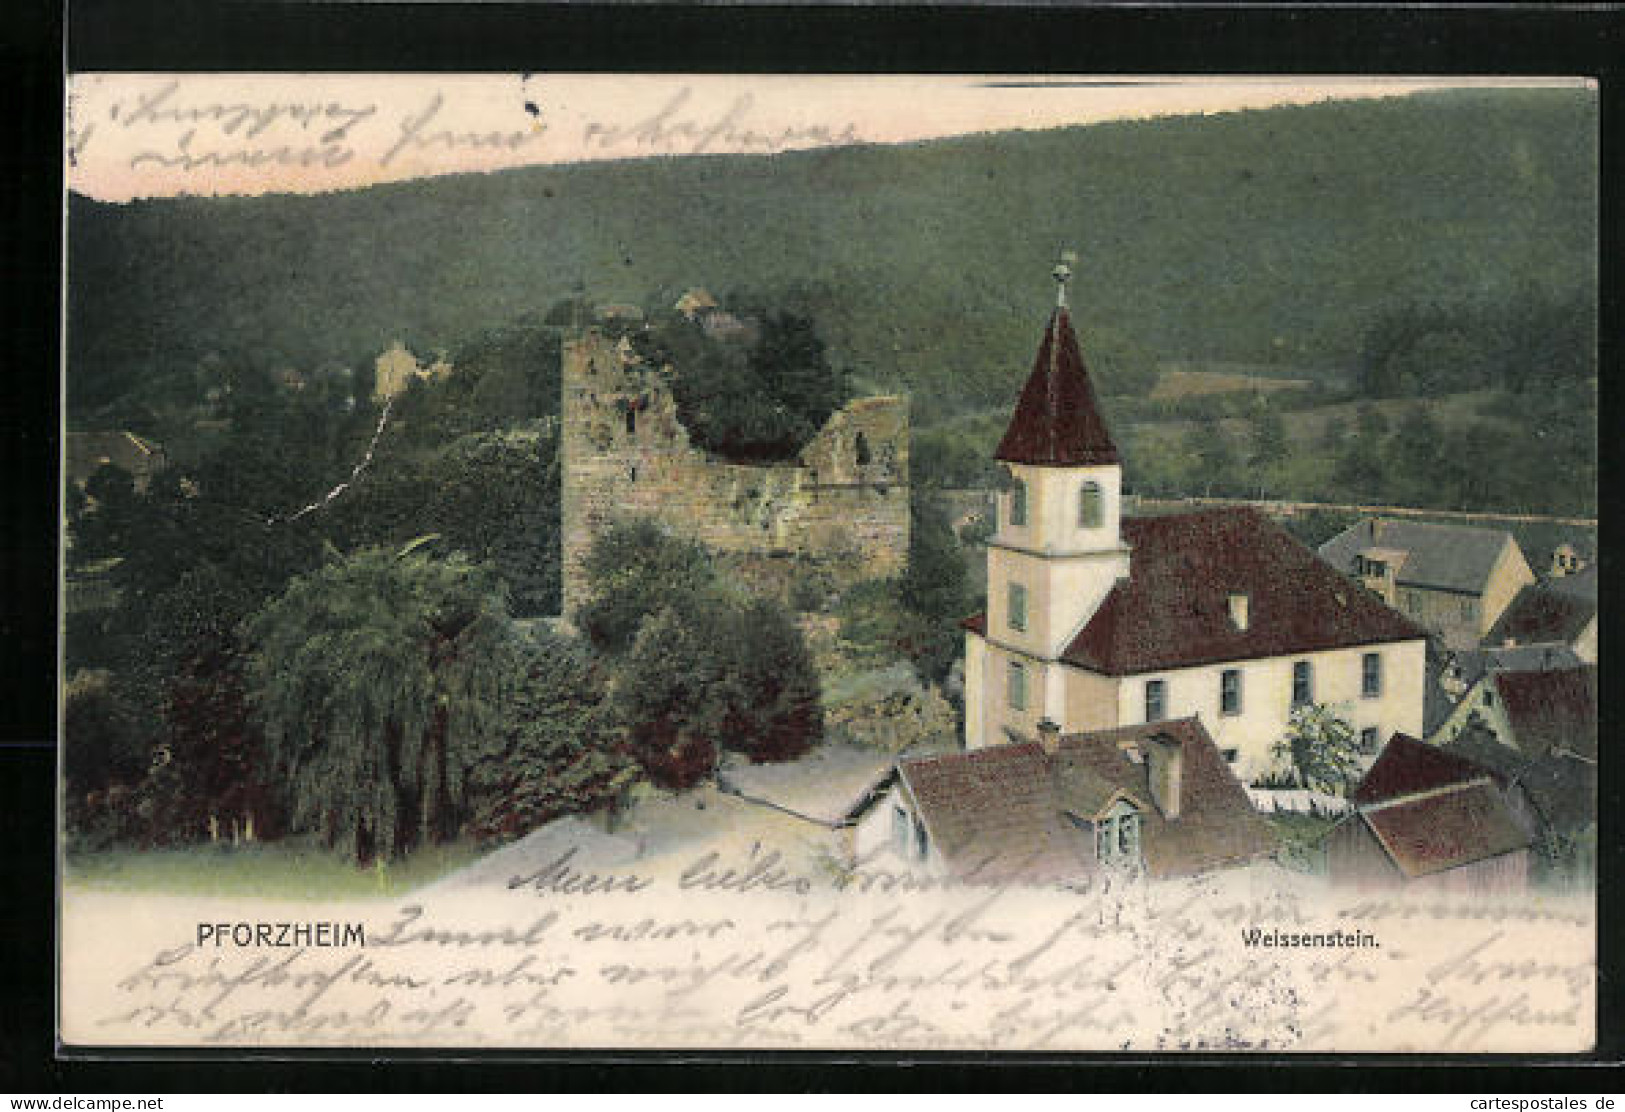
154	135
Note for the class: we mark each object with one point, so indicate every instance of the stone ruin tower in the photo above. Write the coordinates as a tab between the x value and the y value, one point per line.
841	509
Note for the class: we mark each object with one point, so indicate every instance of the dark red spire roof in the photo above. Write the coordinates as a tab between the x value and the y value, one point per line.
1057	421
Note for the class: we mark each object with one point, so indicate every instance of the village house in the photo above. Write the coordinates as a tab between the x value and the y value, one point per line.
1531	712
1536	731
396	368
1453	580
87	452
1154	798
1427	820
1095	620
1571	558
1545	614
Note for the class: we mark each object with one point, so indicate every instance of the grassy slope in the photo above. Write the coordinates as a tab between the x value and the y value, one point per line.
284	870
1263	236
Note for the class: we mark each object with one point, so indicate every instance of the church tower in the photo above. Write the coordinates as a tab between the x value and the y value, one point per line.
1058	549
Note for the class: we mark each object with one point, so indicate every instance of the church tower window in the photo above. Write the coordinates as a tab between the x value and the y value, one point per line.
1018	607
1091	506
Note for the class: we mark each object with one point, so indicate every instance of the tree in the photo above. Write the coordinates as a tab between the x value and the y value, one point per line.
1320	747
1217	456
379	680
101	743
634	568
561	754
1269	440
772	689
710	674
211	775
668	697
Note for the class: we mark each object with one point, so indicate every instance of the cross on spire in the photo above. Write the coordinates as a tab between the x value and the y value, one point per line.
1062	275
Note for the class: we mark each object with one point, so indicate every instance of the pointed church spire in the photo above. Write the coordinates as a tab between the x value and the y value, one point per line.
1057	420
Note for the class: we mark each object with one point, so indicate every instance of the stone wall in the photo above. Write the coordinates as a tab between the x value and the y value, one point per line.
842	506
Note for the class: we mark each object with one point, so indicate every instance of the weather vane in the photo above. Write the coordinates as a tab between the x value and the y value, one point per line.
1062	275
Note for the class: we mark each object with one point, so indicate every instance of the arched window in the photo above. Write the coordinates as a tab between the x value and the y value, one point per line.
860	450
631	419
1018	503
1091	506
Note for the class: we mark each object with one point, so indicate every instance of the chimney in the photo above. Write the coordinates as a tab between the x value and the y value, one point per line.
1164	769
1049	736
1238	610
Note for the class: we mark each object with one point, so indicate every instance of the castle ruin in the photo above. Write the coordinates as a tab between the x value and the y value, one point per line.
840	509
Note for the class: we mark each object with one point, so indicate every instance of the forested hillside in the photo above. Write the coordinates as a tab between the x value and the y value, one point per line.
1277	236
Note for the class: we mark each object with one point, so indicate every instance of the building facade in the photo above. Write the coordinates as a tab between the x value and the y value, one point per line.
1452	580
1095	620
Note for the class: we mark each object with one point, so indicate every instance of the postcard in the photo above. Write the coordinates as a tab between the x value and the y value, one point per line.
835	563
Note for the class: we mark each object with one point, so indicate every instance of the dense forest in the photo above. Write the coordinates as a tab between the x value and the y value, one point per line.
1275	236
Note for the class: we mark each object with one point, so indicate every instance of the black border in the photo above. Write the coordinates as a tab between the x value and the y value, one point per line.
228	35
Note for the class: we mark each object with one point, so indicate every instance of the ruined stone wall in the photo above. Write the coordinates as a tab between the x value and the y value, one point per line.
843	505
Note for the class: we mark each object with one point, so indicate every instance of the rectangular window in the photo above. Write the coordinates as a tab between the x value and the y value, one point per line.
1017	687
1230	691
1018	504
1371	675
1368	740
1303	685
1466	609
1155	700
1230	755
1018	606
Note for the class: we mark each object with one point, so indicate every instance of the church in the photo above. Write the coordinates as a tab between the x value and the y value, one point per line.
1096	621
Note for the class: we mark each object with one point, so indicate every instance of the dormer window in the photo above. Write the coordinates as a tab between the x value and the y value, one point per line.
1117	835
1239	606
1091	506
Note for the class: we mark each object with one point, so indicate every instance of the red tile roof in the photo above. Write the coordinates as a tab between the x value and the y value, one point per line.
1438	832
1539	615
1057	421
1173	611
1217	825
1407	766
993	812
1547	710
1003	811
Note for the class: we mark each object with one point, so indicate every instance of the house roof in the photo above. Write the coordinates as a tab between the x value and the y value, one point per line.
1582	584
87	451
1057	420
1217	824
1475	664
1562	789
993	812
1438	832
1442	557
1004	811
1540	614
1408	767
1173	612
1551	710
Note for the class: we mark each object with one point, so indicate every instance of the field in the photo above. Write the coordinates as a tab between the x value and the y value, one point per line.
1175	384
